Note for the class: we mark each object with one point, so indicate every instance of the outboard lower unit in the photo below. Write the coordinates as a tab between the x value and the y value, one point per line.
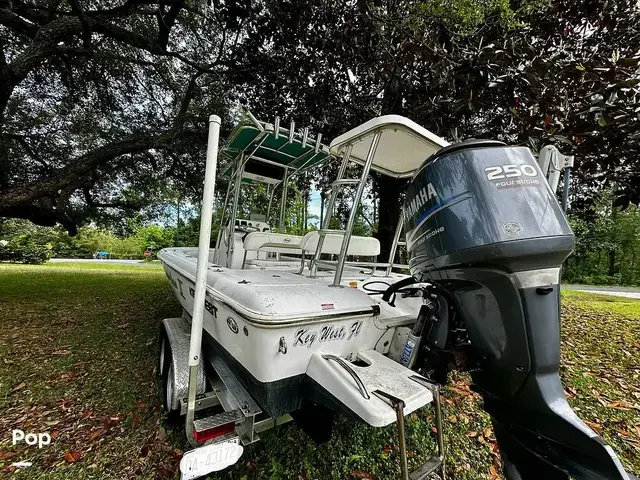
484	227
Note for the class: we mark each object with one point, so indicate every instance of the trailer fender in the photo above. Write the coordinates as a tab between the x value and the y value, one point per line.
177	331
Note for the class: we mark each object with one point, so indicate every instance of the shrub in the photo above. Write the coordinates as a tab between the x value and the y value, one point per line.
28	252
8	253
34	254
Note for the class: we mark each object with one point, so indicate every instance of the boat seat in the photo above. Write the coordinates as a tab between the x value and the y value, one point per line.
288	263
271	242
358	246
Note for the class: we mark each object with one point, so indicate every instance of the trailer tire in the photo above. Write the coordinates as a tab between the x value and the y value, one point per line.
173	416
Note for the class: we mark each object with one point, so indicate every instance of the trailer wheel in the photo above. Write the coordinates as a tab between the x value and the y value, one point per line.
168	387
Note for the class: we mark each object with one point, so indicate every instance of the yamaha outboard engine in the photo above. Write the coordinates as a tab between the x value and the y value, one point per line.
484	227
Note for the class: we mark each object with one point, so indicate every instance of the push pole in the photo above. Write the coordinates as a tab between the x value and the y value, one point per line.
201	271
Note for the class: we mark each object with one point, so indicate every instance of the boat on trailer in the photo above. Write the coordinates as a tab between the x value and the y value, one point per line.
278	327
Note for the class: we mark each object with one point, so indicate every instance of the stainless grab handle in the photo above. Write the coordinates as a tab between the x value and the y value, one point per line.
350	371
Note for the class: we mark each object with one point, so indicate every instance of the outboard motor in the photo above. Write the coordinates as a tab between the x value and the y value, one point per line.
484	227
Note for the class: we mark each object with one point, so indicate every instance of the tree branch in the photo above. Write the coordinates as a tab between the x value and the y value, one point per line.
189	93
166	22
74	175
27	148
17	23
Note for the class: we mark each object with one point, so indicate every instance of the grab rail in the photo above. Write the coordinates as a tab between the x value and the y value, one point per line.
350	371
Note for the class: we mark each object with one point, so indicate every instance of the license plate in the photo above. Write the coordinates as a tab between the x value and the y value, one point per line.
210	458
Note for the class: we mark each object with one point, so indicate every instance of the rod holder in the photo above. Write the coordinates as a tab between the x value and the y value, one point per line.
276	128
292	129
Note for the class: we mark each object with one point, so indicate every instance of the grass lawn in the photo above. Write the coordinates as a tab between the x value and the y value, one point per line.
77	360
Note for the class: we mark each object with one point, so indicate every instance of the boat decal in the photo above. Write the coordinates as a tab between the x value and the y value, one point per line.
208	306
233	326
176	283
327	333
327	306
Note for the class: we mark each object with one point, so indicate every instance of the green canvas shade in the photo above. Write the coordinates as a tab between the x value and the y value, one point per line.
270	155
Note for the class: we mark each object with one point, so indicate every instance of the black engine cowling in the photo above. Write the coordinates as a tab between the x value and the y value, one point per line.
484	227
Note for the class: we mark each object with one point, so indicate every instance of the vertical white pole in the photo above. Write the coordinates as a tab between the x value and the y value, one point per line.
354	211
201	271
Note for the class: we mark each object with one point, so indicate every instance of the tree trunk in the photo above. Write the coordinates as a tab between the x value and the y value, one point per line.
612	251
389	190
177	224
612	262
375	206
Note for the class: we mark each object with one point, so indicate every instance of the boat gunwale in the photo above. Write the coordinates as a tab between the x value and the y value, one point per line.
262	321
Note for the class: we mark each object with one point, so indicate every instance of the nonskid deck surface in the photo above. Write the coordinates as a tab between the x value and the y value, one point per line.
272	295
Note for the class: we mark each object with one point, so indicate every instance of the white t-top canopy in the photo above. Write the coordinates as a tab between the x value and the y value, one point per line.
403	147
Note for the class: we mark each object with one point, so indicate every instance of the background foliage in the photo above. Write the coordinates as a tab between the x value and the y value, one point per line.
607	243
104	104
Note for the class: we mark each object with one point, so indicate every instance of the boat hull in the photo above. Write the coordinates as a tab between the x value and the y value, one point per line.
271	356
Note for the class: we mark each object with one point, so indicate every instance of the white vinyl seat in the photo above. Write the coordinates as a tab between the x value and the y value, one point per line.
358	246
270	242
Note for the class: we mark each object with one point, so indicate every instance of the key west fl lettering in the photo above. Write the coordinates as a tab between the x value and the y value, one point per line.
307	337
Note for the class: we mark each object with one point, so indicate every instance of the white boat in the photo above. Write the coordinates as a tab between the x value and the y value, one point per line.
273	319
277	326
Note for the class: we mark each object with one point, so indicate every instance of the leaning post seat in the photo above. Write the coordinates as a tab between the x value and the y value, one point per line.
273	243
358	246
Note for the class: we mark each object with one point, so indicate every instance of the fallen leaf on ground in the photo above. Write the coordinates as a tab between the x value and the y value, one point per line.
72	457
594	426
459	391
362	475
96	434
22	385
135	421
164	473
493	473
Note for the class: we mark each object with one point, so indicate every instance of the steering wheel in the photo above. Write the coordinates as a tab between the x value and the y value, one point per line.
246	229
